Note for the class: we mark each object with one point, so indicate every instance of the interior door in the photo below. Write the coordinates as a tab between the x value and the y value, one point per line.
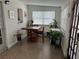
2	31
74	32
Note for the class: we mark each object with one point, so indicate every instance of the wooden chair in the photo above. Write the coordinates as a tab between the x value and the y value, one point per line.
40	32
32	35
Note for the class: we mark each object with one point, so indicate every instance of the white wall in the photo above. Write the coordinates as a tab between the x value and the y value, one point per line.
65	25
12	24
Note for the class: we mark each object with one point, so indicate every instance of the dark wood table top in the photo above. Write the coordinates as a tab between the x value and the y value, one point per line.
33	28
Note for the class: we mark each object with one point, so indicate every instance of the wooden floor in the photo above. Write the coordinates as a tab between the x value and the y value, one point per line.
30	50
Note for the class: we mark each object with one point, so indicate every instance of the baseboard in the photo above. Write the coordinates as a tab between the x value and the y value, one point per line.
12	44
65	57
25	37
3	50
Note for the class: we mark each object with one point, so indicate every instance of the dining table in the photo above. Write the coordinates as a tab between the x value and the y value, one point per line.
33	33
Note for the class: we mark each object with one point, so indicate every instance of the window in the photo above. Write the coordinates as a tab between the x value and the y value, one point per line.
43	17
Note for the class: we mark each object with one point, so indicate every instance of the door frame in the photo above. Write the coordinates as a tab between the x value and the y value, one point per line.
71	23
4	28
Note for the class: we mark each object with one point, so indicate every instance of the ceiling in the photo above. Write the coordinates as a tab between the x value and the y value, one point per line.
45	2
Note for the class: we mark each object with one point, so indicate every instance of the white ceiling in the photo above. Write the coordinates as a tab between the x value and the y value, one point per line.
45	2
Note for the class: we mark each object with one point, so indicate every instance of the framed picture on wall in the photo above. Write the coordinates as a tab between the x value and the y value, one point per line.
0	37
0	32
11	14
20	15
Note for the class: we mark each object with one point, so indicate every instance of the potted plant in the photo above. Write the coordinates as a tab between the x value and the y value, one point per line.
56	37
54	24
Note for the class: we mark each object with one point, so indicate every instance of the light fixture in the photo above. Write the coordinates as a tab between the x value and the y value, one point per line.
7	1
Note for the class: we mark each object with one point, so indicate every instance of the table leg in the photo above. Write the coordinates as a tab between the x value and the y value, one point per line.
43	37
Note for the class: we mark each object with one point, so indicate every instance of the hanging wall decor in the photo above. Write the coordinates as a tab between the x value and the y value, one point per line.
20	15
0	38
11	14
